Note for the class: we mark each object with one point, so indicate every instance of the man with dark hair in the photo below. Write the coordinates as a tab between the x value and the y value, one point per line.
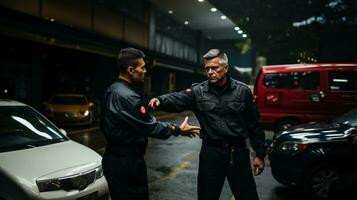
227	115
126	125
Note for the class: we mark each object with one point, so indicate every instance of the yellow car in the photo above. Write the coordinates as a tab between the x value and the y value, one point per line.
69	109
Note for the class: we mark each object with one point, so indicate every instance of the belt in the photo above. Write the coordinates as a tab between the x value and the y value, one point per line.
225	144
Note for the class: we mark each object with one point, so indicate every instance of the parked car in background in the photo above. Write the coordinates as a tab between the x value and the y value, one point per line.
38	161
69	109
311	156
293	94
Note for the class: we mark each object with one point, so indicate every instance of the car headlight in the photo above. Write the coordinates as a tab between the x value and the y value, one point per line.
290	147
84	112
99	172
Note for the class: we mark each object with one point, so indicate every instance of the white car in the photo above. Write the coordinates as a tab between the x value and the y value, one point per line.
37	160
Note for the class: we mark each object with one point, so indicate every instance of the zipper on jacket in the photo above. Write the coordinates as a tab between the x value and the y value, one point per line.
231	157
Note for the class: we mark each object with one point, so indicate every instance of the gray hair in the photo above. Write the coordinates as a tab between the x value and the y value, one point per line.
213	53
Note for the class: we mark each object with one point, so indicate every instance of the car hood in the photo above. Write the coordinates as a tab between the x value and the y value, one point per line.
314	132
311	126
67	108
46	162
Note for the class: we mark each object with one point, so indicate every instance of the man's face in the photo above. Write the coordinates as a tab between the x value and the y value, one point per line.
138	73
215	70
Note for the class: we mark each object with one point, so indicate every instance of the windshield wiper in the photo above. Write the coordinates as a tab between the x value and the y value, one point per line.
16	147
46	142
31	144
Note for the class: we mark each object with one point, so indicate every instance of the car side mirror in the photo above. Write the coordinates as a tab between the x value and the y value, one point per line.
91	104
64	132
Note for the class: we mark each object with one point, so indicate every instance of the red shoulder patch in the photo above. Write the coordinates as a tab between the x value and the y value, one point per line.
188	90
142	109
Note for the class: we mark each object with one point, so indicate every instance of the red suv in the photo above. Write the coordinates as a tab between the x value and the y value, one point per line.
291	94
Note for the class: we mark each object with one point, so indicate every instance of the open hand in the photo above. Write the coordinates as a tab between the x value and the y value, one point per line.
154	103
258	166
188	130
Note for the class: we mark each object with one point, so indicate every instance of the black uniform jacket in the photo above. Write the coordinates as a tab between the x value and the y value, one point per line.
225	114
126	122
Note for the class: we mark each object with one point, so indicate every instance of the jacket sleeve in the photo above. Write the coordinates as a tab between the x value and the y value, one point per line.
133	112
177	101
255	129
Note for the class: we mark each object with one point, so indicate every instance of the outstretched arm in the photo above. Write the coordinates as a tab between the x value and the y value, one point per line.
174	102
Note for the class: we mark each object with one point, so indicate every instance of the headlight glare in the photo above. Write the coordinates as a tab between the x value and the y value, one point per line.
86	113
292	147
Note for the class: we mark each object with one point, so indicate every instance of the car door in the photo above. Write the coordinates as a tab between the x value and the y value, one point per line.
341	91
312	84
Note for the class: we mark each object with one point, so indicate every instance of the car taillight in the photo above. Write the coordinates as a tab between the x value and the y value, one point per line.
272	98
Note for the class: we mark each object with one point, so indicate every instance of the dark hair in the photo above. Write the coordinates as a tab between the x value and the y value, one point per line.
128	57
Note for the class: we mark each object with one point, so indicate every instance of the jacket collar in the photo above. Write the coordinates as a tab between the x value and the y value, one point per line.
229	79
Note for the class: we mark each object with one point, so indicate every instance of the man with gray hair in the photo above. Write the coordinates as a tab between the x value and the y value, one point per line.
227	114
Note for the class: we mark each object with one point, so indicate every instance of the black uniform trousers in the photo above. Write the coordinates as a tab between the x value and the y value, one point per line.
221	160
126	177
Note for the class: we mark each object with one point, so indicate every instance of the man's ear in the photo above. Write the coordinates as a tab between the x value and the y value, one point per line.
130	70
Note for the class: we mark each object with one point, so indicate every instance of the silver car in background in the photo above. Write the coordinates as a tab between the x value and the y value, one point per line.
37	160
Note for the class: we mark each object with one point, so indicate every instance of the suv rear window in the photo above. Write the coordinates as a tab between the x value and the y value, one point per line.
293	80
342	80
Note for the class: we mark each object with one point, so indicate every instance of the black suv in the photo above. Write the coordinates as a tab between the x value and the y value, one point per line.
311	156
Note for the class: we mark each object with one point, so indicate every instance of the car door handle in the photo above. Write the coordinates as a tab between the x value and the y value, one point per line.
322	94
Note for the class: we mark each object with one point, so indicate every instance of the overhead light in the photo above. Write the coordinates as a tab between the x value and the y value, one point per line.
213	9
244	35
201	0
186	22
52	20
170	12
223	17
240	31
236	28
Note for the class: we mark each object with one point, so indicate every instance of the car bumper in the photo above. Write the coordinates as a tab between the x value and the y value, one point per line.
286	169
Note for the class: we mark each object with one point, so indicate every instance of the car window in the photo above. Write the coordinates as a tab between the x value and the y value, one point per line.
311	80
293	80
277	80
343	80
22	127
69	100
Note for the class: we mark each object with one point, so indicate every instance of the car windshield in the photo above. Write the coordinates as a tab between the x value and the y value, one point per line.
69	100
349	118
23	127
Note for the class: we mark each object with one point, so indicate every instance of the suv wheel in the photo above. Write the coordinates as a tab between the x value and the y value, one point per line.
319	181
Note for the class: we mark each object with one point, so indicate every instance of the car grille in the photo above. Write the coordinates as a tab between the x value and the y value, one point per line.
65	114
78	182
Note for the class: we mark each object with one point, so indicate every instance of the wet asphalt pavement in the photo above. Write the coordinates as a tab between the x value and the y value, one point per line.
172	165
